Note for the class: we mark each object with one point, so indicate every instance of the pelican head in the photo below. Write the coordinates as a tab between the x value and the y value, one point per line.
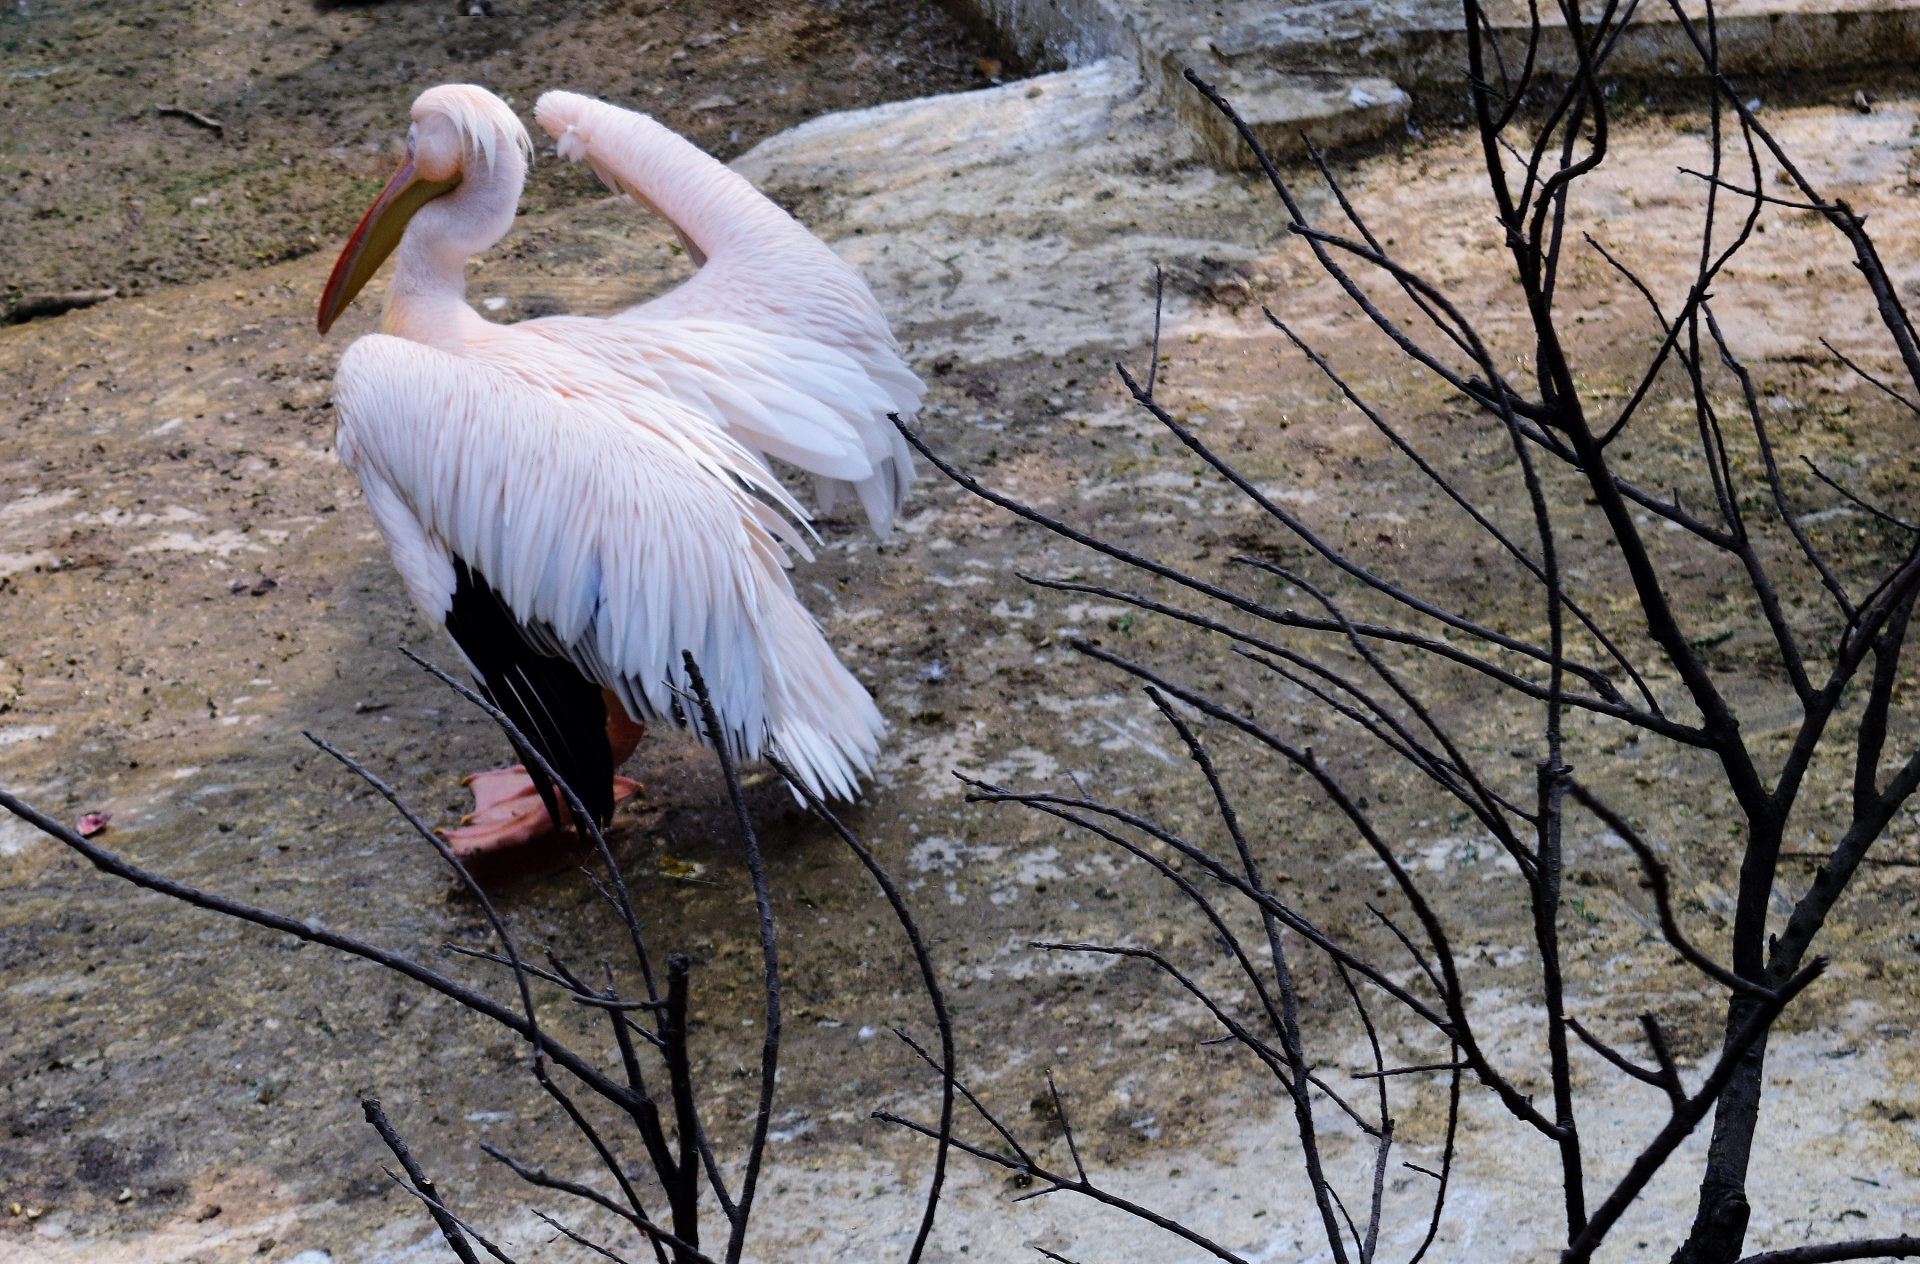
454	196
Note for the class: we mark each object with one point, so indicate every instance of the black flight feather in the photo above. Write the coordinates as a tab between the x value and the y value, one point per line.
561	712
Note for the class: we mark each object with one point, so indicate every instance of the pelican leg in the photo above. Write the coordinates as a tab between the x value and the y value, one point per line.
507	810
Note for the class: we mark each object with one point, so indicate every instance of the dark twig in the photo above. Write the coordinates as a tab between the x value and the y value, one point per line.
1411	1070
1874	510
769	956
194	117
1063	1182
1659	1079
542	1179
1153	362
1875	382
929	979
1066	1126
583	820
595	1247
1903	1247
490	1247
311	932
1688	1116
1445	1175
429	1193
1750	194
1663	897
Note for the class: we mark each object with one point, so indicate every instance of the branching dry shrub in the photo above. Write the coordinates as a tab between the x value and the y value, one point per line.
655	1099
1380	653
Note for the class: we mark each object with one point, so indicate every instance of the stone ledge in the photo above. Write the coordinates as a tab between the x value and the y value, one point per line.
1333	68
1423	43
1286	110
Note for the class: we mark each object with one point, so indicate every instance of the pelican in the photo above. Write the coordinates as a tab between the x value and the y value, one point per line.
580	500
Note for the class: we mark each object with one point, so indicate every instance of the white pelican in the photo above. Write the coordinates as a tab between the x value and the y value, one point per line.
580	500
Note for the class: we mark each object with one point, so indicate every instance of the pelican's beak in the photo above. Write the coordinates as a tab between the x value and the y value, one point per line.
378	234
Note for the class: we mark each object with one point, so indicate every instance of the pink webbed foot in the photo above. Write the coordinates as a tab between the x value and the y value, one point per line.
507	812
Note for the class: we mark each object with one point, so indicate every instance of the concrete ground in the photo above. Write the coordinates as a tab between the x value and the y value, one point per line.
171	454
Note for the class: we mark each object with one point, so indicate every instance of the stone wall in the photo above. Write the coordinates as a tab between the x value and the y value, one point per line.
1339	70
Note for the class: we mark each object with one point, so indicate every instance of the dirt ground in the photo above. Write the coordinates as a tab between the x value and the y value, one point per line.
99	191
190	582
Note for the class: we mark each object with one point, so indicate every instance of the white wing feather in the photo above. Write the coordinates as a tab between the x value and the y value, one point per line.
761	271
622	535
789	398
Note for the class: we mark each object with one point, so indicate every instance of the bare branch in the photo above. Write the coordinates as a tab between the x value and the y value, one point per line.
490	1248
769	954
1153	361
1874	510
1884	389
1411	1070
1663	898
929	979
1068	1184
311	932
1456	1024
1066	1126
1453	493
429	1193
1656	1078
541	1178
1684	1119
1900	1248
595	1247
583	820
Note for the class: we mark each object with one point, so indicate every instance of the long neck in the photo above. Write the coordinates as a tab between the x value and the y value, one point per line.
706	202
427	299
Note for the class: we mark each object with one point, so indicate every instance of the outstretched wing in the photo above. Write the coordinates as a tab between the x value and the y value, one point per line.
759	269
788	398
609	542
